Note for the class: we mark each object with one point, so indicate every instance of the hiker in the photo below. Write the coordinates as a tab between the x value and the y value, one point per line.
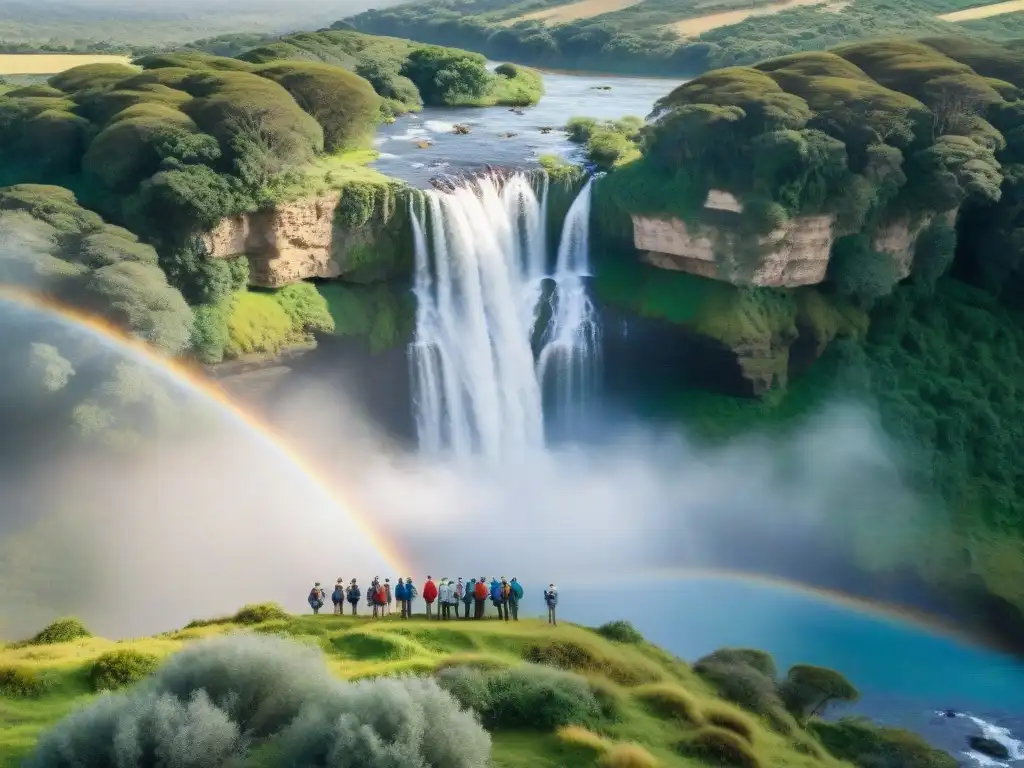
353	595
429	593
506	592
410	595
496	594
316	598
371	595
457	593
467	597
480	596
400	596
380	599
551	598
515	595
444	595
338	597
387	597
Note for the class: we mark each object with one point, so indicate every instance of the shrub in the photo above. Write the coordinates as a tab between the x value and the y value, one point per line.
306	308
506	70
741	685
579	736
627	756
147	729
862	743
20	682
119	669
384	723
210	333
808	691
620	632
717	746
934	252
566	654
523	697
860	271
258	613
669	702
757	659
258	324
731	720
367	646
61	631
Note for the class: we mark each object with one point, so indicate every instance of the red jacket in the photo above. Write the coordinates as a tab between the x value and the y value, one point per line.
430	591
480	591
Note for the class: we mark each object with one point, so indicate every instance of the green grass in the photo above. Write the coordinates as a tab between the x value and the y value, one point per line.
361	647
332	172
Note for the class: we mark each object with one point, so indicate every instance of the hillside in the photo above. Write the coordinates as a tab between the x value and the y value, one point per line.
544	696
858	208
669	37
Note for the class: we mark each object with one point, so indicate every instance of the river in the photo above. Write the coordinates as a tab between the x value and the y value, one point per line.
565	96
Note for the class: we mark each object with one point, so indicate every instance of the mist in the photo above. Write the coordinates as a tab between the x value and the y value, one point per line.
197	525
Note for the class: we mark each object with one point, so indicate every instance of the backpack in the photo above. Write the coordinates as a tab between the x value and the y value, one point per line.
382	595
480	592
506	590
517	588
314	595
339	594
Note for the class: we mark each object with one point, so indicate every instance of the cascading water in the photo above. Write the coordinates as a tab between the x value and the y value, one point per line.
480	282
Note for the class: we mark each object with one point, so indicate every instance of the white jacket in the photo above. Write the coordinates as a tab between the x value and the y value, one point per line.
444	593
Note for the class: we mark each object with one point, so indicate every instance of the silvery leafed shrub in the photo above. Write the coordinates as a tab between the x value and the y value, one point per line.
210	703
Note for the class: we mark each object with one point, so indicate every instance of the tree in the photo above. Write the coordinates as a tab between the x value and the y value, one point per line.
954	99
808	691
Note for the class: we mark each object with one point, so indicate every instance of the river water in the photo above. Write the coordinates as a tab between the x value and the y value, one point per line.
488	141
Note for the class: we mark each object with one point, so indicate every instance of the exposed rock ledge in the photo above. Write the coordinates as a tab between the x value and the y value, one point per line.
795	254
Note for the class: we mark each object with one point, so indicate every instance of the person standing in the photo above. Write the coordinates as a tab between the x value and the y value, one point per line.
506	593
457	593
316	598
338	597
371	595
467	597
496	594
410	595
551	598
480	596
515	595
387	597
400	596
429	593
353	595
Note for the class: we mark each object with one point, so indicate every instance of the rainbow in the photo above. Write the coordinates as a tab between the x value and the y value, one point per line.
206	389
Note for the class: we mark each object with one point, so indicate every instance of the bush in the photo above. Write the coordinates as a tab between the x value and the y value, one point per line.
627	756
119	669
741	685
717	746
384	723
620	632
757	659
210	333
144	730
20	683
578	736
731	720
566	654
934	252
369	646
808	691
506	70
669	702
306	308
258	613
61	631
860	271
862	743
523	697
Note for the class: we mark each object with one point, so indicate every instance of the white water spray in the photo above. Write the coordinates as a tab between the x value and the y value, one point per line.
481	273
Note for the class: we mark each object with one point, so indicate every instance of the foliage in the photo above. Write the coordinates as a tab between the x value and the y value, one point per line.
20	682
627	756
620	631
731	720
61	631
670	702
523	697
808	691
934	252
738	680
383	314
607	143
257	613
866	745
718	746
119	669
860	271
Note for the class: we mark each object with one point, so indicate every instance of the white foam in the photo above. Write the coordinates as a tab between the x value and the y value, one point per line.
380	140
439	126
1002	735
386	156
418	165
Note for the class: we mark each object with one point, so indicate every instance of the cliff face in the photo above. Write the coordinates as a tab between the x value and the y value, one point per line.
793	255
305	239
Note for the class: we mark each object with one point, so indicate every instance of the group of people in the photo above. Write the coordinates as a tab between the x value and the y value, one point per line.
505	595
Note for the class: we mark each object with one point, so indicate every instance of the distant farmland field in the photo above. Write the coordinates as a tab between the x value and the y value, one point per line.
575	11
985	11
50	64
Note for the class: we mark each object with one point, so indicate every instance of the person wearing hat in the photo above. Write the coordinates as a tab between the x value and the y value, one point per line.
353	595
506	590
338	597
429	593
514	596
480	592
468	597
316	598
443	596
410	595
551	598
387	597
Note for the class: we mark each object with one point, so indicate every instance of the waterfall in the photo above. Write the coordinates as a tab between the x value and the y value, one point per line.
481	278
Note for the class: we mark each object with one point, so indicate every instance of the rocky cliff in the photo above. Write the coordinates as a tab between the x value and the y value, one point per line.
357	233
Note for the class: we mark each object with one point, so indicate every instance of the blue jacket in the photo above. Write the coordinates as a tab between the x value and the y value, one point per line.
354	594
338	596
400	591
495	590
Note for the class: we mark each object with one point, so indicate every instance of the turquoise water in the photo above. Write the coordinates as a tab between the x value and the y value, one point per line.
905	671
